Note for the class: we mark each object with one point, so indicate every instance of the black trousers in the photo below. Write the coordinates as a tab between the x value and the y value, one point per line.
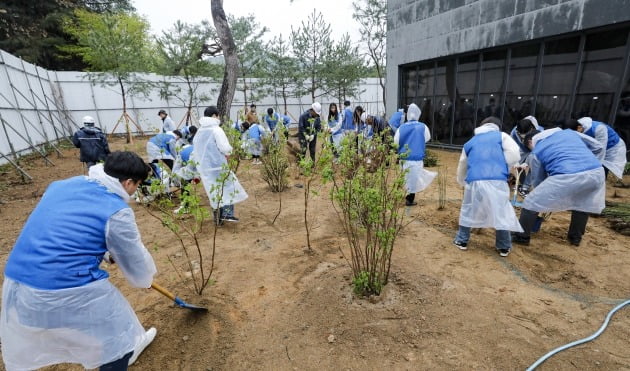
576	228
117	365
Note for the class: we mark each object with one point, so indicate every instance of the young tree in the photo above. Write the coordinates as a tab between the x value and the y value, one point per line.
247	34
280	69
224	102
372	17
115	46
344	70
180	54
311	43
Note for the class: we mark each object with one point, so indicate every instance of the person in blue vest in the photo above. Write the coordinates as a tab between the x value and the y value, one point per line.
185	171
411	139
525	126
164	147
347	119
397	119
334	127
614	157
58	305
309	125
567	175
483	171
254	146
272	119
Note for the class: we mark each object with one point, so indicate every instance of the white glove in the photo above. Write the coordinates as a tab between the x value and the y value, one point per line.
522	166
108	258
309	138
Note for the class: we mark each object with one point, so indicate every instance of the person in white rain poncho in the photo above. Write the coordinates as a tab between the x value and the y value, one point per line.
212	151
57	304
483	170
163	147
614	153
411	139
567	175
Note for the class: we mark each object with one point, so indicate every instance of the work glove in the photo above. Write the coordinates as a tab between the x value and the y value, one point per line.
309	138
108	258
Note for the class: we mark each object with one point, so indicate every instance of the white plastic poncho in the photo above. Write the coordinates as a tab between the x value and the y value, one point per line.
615	156
92	324
584	191
417	178
211	147
486	203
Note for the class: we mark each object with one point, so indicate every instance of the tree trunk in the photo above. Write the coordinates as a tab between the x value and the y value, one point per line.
125	116
226	95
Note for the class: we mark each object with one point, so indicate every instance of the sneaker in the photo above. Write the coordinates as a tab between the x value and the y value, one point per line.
574	242
414	203
519	239
461	245
181	210
231	219
144	342
504	252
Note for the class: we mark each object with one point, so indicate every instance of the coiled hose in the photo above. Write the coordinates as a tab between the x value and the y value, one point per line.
581	341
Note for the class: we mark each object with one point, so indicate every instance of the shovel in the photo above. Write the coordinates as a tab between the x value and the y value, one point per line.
177	300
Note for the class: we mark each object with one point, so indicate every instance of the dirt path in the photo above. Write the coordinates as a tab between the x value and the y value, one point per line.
275	306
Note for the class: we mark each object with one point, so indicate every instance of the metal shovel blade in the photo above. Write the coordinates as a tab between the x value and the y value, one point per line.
178	301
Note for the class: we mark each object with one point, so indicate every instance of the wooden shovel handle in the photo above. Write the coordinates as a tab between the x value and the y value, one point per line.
163	291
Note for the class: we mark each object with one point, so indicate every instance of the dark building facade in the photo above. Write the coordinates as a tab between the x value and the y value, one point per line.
461	61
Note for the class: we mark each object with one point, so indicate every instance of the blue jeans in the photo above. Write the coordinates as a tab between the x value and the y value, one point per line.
503	238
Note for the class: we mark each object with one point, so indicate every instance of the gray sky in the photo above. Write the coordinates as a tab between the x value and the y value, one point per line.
277	15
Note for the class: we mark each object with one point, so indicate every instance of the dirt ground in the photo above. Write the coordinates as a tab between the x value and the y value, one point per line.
275	306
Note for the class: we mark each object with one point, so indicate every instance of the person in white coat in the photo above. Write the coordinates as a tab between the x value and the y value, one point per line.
211	151
614	153
567	175
483	171
411	139
58	305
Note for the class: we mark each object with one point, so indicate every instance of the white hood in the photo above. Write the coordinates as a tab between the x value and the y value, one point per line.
586	123
209	121
97	173
486	128
413	112
534	121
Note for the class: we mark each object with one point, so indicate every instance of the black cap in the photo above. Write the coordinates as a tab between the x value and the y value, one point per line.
162	112
346	103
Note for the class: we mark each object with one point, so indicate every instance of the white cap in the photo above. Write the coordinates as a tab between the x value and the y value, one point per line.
88	120
317	107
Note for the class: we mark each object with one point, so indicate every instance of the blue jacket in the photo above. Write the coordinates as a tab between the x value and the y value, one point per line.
185	153
485	157
348	120
411	139
286	120
613	137
63	240
564	152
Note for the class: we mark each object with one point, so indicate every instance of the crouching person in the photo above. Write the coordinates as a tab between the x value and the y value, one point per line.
57	304
483	170
566	175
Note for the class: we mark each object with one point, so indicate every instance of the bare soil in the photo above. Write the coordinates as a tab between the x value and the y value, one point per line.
277	306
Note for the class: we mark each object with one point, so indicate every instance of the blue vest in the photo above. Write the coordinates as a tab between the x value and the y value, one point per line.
564	152
396	120
162	141
333	121
185	153
613	137
411	140
63	240
286	120
272	122
485	157
254	132
348	121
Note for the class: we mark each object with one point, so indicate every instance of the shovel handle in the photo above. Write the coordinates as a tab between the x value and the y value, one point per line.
163	291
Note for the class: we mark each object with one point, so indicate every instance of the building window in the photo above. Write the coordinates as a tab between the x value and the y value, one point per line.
464	124
409	84
492	85
444	91
519	101
424	97
602	64
557	80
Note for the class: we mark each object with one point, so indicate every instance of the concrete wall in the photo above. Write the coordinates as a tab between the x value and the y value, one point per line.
425	29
